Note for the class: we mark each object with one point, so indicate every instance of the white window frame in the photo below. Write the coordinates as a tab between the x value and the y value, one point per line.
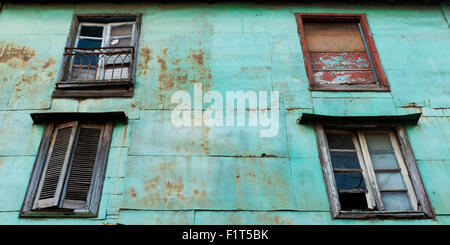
106	36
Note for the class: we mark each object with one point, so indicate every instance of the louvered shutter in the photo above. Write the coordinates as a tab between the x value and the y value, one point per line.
53	176
85	157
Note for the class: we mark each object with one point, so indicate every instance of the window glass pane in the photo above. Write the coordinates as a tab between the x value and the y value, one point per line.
378	142
122	30
340	141
353	201
396	201
91	31
347	160
390	181
126	41
90	60
349	180
381	160
87	43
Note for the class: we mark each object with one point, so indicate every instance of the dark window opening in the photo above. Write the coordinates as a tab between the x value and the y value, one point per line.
353	201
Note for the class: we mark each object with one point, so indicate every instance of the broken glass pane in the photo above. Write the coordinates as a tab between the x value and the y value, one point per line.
348	160
349	180
353	201
340	141
396	201
91	31
390	181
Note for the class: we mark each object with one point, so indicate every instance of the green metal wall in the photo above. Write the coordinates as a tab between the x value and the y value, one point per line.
160	174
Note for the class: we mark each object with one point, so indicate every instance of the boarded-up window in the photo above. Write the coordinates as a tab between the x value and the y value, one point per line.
338	55
71	160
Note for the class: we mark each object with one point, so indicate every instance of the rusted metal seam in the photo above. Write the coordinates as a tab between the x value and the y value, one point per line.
227	210
217	156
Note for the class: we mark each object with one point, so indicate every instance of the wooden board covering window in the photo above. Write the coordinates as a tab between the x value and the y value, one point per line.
339	52
333	37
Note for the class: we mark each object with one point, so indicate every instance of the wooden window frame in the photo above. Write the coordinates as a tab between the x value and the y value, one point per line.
406	162
382	83
104	89
94	196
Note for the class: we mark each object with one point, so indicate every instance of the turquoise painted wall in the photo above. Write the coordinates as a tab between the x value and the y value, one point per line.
160	174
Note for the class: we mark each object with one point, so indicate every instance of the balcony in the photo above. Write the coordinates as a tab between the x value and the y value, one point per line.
90	68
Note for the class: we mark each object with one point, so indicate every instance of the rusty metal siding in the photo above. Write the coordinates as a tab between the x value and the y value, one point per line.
159	174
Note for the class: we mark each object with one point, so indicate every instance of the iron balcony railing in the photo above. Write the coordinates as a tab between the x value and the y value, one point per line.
97	66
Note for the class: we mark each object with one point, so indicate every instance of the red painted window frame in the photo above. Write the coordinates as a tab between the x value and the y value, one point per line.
382	84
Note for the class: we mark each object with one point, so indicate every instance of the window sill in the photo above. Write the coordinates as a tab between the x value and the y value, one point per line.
58	214
380	214
350	88
94	89
93	93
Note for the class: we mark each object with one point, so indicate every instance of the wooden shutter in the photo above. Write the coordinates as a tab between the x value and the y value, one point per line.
53	175
82	168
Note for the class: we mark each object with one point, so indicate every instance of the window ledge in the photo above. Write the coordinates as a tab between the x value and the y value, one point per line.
380	214
124	83
93	93
350	87
58	214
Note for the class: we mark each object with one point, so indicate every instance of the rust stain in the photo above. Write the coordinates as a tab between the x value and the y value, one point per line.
277	219
251	174
165	80
179	77
151	184
162	60
50	74
133	193
178	186
204	140
196	57
147	54
49	63
14	54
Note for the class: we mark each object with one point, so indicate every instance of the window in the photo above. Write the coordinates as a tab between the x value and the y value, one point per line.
339	53
99	60
68	174
369	168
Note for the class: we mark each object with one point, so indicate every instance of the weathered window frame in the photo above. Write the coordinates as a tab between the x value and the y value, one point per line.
394	123
100	90
410	166
382	83
51	121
